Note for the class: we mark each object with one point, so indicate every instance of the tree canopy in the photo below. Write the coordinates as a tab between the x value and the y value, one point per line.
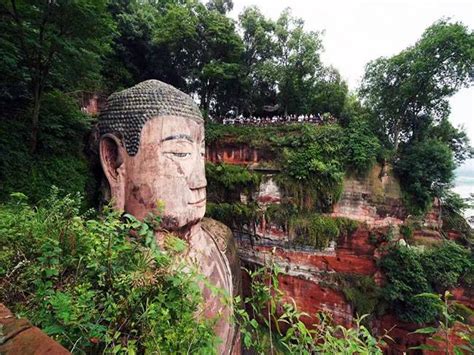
52	44
416	83
253	65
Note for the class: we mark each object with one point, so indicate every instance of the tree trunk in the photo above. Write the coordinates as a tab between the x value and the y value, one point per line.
396	137
35	117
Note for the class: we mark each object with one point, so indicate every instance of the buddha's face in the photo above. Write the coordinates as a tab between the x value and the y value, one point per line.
168	169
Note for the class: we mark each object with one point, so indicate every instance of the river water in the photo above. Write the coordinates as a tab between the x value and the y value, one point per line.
464	183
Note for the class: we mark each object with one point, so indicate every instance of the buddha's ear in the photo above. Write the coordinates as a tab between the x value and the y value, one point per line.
112	158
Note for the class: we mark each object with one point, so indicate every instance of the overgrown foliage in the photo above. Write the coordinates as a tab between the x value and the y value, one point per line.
425	169
102	284
316	232
409	94
313	159
229	181
50	44
410	272
59	158
273	324
446	328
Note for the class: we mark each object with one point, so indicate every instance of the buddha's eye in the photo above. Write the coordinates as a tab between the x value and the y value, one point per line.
181	155
178	154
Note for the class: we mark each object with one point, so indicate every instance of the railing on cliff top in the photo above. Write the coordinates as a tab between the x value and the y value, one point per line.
318	119
93	103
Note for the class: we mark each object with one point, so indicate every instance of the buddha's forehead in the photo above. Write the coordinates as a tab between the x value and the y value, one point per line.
172	128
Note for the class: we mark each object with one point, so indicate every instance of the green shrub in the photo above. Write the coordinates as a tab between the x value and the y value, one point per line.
424	168
407	231
361	147
406	278
234	215
446	264
410	272
227	181
99	285
59	159
316	231
346	226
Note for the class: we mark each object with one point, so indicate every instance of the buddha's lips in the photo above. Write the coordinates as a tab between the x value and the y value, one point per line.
197	202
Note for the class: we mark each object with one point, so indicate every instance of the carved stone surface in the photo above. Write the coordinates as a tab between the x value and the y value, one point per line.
18	336
152	153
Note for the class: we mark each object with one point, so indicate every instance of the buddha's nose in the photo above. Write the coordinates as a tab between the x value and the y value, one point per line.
197	179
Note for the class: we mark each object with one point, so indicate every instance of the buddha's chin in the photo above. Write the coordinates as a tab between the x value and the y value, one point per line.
184	221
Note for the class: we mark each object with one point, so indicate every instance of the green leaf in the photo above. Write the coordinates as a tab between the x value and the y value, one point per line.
427	330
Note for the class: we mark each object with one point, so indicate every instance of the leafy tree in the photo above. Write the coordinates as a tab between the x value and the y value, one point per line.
259	49
183	43
221	6
296	63
58	160
455	138
220	49
418	81
329	93
54	43
402	287
132	48
425	169
361	147
445	264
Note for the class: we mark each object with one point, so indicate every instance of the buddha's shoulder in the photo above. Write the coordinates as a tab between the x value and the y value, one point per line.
224	239
219	232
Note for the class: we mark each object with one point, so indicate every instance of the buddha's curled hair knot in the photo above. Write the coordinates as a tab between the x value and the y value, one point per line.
128	110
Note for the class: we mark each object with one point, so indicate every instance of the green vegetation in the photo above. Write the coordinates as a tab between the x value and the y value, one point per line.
51	45
442	334
445	265
422	179
313	160
229	181
360	291
236	215
99	285
318	231
410	272
408	94
59	158
271	324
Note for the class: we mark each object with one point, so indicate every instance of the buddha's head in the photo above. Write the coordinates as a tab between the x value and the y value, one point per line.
152	152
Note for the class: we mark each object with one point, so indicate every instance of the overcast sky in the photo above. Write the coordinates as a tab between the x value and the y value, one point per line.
359	31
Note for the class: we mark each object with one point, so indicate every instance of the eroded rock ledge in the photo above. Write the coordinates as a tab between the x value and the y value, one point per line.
19	336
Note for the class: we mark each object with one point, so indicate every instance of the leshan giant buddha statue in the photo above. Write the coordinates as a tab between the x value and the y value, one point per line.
152	149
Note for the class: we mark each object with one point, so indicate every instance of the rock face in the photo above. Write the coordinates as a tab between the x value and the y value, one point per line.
374	199
308	275
152	149
18	336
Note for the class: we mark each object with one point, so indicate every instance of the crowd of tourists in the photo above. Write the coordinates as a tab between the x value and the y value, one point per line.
278	120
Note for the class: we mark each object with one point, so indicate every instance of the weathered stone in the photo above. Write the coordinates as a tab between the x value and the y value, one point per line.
18	336
152	153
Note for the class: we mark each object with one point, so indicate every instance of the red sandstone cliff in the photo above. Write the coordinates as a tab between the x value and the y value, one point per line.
375	201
